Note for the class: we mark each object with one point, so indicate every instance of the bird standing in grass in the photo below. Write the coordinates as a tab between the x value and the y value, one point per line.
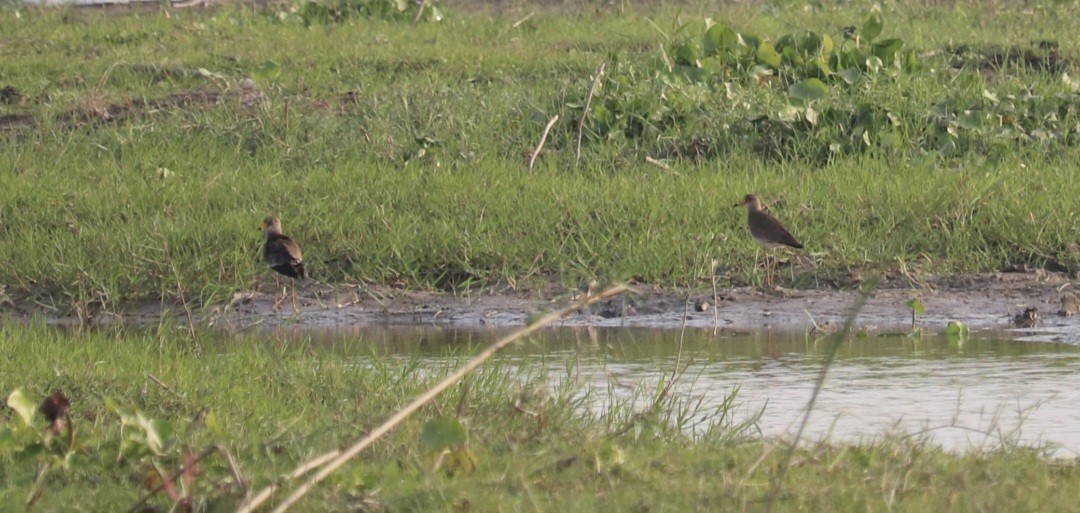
282	253
766	230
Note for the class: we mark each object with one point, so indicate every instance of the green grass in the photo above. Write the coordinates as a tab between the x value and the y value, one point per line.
273	402
421	178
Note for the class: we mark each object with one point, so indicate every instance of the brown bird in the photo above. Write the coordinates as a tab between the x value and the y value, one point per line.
282	253
766	230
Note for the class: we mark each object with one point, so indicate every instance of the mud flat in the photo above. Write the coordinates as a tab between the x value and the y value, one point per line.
988	301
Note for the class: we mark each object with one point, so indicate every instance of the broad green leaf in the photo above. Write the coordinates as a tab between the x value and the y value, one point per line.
22	405
268	71
767	55
685	55
916	306
956	328
826	44
871	27
809	89
749	41
850	75
442	433
821	64
719	38
811	43
886	49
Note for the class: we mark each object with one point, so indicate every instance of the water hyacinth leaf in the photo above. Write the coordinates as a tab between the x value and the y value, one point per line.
916	306
826	44
821	65
713	65
810	43
442	433
23	405
872	27
809	90
886	49
767	55
956	328
268	71
685	55
850	75
719	38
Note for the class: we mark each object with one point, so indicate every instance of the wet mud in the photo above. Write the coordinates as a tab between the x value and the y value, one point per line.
992	301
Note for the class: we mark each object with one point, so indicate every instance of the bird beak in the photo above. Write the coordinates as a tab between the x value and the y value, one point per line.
262	226
739	204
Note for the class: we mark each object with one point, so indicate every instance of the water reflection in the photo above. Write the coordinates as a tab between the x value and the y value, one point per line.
977	393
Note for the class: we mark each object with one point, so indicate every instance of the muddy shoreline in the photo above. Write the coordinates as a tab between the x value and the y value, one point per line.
989	301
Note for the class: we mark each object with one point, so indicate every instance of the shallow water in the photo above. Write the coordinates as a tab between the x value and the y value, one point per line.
978	393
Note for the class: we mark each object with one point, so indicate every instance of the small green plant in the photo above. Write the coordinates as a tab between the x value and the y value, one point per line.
917	309
447	442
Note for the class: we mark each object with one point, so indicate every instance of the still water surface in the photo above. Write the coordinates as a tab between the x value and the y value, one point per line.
970	394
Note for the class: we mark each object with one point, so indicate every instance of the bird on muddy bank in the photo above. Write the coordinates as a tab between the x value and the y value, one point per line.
281	253
767	231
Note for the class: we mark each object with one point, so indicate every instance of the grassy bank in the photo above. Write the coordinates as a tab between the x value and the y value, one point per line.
133	166
276	402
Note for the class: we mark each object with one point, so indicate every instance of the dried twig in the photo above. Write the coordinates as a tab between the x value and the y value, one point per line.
160	383
523	20
536	153
658	163
830	355
585	112
420	11
415	404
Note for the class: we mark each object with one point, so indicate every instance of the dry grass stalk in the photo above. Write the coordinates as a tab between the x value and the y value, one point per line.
409	409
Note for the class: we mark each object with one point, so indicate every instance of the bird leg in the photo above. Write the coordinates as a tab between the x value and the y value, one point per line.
770	275
294	295
772	272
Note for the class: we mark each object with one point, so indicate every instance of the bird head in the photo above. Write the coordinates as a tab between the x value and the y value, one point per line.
750	201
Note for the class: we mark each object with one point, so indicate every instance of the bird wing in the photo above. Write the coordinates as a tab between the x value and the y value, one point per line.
281	250
771	229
